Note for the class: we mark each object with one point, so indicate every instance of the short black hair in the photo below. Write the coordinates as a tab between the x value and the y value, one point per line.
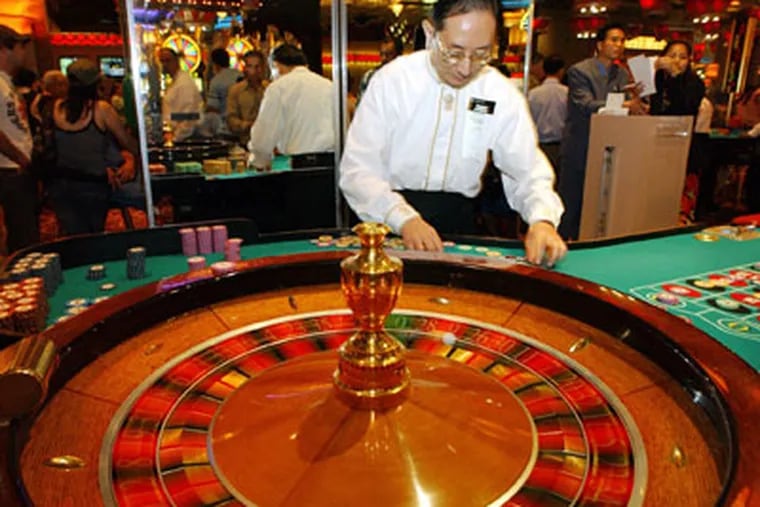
553	64
255	53
290	55
676	42
398	45
25	77
221	57
173	53
443	9
601	34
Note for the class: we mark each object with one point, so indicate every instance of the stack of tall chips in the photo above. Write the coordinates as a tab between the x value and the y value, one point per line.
205	240
136	262
232	249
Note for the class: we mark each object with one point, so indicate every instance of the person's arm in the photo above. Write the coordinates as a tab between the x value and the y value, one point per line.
581	92
266	130
116	127
34	108
528	181
364	172
689	97
10	150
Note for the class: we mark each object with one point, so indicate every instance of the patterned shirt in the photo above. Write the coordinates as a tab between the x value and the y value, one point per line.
13	121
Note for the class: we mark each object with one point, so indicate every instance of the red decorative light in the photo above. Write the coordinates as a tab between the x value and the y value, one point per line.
661	32
698	51
698	7
719	5
540	24
86	39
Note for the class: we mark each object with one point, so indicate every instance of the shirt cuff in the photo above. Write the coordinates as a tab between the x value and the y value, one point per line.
398	215
544	214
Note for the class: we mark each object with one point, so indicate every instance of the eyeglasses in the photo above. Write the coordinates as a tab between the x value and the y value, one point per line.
453	57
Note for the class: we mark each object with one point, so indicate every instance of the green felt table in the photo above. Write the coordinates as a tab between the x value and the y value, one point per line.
635	267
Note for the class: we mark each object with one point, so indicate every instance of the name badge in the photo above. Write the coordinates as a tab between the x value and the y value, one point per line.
481	106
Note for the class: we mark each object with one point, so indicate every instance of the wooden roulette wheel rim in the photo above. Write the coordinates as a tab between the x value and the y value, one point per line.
705	369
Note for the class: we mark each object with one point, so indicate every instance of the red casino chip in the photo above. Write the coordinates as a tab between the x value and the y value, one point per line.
681	290
747	299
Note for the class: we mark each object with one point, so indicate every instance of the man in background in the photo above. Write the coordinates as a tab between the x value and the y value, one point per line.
589	83
218	89
18	188
182	103
536	71
390	48
548	106
244	98
296	115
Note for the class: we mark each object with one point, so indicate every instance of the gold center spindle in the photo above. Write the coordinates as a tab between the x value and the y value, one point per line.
372	371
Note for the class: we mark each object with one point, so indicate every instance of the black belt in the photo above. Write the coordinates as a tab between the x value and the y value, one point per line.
319	159
551	143
447	212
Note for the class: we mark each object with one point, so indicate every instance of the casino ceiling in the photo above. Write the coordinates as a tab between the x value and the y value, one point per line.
101	16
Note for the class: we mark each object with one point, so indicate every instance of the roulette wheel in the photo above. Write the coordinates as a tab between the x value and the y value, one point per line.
527	386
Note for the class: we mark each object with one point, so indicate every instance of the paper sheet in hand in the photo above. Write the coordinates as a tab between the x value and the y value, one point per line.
642	68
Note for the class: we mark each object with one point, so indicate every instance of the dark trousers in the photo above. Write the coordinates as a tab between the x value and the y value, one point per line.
81	206
447	212
18	197
570	189
552	152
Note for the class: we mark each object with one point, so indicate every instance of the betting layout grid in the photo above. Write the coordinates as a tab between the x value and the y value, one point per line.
727	300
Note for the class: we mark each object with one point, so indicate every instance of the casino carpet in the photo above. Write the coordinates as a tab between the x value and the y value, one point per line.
115	221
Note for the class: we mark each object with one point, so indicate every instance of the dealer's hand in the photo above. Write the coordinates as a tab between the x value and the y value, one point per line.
543	244
420	235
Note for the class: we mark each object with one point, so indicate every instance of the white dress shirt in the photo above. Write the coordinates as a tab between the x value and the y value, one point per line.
296	116
182	96
13	121
548	105
413	132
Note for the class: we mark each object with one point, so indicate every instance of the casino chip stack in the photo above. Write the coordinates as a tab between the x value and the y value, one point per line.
196	263
23	306
189	241
223	267
232	249
205	240
47	267
96	272
136	263
219	233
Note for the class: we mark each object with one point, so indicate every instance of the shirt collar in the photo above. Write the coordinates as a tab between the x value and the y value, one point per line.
551	79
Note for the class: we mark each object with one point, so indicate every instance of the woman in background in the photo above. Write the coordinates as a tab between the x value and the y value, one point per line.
679	89
679	93
85	172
